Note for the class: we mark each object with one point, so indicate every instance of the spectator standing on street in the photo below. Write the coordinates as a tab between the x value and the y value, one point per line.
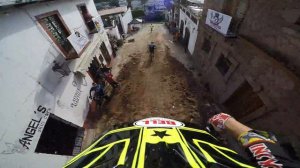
99	92
106	71
151	28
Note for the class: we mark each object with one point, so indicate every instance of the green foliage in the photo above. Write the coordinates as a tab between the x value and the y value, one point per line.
119	43
144	1
98	1
138	13
114	3
184	2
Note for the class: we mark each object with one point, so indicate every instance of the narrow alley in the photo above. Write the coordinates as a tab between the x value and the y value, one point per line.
149	83
161	88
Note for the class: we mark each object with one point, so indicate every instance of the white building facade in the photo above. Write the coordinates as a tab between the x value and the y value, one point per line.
45	80
126	18
120	17
113	31
188	25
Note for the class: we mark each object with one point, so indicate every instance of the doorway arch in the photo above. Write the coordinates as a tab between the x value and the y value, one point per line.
181	28
186	38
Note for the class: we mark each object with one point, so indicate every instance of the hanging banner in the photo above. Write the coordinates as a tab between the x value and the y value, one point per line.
218	21
79	40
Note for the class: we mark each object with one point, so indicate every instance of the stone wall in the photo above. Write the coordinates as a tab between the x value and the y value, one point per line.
264	55
271	26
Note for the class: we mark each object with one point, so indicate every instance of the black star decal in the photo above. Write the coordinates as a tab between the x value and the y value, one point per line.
161	134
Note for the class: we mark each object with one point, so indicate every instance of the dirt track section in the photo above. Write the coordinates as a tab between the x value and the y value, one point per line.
154	89
161	88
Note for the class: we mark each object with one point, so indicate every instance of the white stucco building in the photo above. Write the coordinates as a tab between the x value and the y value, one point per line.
136	23
113	31
121	16
48	55
188	25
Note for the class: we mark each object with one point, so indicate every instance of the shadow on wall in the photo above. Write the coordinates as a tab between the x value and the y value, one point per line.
58	80
79	81
50	78
52	72
87	109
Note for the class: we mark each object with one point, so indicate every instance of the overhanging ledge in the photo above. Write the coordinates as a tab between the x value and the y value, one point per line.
92	50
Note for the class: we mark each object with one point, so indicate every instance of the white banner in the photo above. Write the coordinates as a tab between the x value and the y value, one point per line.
78	39
218	21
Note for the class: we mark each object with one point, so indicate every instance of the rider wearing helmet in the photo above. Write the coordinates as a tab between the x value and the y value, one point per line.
151	48
98	89
160	142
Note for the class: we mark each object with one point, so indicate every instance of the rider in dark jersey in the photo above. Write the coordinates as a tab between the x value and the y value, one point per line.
151	47
99	93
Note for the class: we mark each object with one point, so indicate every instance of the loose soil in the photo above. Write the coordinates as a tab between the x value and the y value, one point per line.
159	88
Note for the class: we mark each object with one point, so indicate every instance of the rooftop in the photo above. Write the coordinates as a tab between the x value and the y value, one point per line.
111	11
18	2
196	10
